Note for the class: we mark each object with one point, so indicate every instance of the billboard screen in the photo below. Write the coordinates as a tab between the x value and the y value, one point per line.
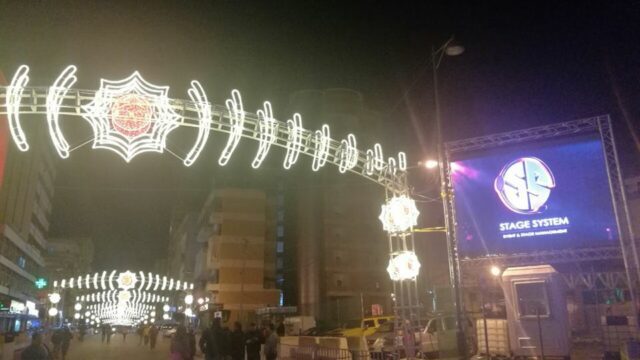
546	195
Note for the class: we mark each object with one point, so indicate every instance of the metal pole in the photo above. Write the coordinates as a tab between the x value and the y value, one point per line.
444	194
484	319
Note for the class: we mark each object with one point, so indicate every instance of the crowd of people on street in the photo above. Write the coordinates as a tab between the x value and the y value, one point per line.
218	343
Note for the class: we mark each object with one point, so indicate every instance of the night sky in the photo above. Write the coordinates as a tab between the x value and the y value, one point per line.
525	64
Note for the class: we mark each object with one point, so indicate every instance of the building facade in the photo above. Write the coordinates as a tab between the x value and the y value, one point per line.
26	191
340	248
234	253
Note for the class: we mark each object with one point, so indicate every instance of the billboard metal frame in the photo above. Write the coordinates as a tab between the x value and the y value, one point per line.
627	249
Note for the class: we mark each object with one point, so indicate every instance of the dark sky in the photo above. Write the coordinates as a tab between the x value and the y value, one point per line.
525	64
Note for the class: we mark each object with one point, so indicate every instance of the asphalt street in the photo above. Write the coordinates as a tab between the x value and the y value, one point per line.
92	348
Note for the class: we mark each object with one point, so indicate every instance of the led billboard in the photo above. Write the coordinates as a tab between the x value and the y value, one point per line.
546	195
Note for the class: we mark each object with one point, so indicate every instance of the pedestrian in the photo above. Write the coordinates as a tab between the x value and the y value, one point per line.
271	343
153	336
56	340
237	342
103	329
191	335
209	341
109	333
123	330
280	328
37	350
66	337
140	336
225	343
180	349
145	334
253	340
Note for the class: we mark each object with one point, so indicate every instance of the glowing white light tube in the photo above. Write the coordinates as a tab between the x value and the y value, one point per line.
198	96
236	117
348	154
321	147
12	102
294	140
141	280
268	129
55	96
402	161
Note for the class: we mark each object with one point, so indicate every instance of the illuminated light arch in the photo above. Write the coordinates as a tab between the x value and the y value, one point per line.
132	116
125	280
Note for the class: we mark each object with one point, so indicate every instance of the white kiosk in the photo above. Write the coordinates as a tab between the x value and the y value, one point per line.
536	311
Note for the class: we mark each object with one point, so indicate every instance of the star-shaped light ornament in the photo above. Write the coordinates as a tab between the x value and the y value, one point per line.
131	116
399	214
126	280
404	266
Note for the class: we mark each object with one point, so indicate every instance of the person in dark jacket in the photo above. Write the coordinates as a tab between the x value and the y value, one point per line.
191	336
180	345
210	341
253	340
37	350
66	337
225	343
237	342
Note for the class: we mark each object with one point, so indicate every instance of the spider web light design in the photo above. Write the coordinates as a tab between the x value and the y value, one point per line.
399	214
131	116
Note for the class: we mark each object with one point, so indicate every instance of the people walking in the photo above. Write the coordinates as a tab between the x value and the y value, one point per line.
56	341
209	341
271	343
253	340
109	331
153	336
103	329
145	334
37	350
140	335
191	335
225	343
237	342
124	332
180	349
66	337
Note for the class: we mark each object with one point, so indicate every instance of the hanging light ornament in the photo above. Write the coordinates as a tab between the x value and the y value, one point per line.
399	214
403	265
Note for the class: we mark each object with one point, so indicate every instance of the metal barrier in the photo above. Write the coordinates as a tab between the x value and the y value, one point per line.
311	352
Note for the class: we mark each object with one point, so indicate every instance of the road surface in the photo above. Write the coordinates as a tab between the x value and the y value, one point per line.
93	349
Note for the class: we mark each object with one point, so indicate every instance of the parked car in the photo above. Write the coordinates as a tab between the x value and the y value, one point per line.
439	336
361	327
169	331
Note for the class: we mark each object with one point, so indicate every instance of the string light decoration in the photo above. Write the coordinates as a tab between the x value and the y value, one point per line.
131	116
126	280
403	266
399	214
13	100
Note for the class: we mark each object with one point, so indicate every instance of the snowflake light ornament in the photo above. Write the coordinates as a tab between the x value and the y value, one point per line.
404	266
399	214
131	116
126	280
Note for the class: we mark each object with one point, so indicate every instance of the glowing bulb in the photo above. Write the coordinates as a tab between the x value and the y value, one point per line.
166	308
87	314
78	307
53	311
495	271
54	298
76	316
188	312
399	214
200	301
404	266
431	164
188	299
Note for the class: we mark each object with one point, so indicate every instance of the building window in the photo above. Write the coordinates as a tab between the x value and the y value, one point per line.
280	215
22	262
280	231
280	247
280	200
339	283
532	299
279	263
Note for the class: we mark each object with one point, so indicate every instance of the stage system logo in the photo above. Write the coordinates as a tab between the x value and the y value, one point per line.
524	187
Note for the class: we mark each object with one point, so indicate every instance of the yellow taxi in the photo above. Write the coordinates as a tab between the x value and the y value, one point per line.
364	327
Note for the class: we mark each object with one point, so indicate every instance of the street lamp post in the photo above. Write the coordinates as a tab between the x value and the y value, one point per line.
451	49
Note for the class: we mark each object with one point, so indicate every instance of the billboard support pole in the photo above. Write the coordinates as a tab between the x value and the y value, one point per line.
621	211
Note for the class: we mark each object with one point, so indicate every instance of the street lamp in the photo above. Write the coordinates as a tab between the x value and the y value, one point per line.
495	271
449	48
188	299
430	164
